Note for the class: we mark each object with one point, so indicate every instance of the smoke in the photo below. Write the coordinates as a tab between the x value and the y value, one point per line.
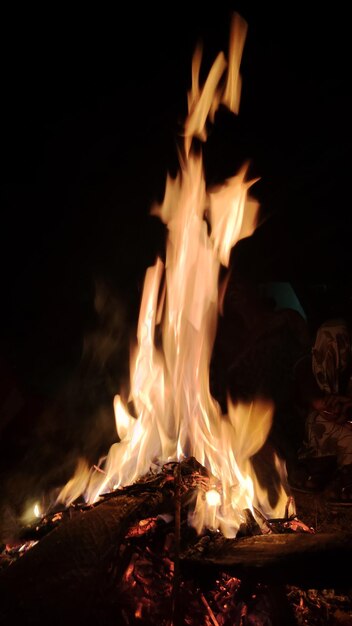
108	341
77	424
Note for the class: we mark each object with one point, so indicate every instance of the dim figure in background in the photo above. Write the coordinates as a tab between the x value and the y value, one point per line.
258	343
324	385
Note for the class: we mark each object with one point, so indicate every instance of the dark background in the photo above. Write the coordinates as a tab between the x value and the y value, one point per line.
92	106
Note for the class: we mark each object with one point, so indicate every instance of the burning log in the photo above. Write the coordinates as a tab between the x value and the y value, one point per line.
307	560
69	567
133	557
120	558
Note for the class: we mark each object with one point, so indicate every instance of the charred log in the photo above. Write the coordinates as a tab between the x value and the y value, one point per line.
308	560
132	558
69	568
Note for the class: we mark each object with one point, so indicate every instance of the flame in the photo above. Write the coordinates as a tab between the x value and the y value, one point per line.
31	513
36	510
203	103
174	414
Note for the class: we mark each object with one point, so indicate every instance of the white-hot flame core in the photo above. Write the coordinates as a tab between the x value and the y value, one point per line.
176	416
213	497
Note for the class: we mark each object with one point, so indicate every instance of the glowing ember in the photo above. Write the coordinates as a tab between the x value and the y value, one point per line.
169	379
36	510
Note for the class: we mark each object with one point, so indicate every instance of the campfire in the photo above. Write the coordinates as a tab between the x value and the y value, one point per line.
174	526
174	415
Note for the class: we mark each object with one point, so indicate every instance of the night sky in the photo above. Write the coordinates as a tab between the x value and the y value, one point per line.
93	106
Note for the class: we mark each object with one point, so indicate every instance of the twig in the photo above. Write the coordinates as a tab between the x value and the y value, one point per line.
263	519
98	469
176	612
208	608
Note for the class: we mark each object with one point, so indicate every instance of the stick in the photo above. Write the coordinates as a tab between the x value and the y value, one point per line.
208	608
176	613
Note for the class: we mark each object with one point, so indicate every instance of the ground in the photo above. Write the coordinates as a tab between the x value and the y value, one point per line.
316	512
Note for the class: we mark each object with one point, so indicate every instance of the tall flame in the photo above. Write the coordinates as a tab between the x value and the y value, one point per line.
169	375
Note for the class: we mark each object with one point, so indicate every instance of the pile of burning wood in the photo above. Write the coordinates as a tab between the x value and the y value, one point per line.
132	558
175	527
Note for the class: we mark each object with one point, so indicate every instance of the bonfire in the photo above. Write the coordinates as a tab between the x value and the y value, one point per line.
173	526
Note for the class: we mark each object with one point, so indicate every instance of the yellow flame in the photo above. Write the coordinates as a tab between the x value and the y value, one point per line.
76	485
232	214
32	512
36	510
174	413
203	103
232	92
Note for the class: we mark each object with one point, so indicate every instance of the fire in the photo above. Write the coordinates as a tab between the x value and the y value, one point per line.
175	415
36	510
213	497
32	513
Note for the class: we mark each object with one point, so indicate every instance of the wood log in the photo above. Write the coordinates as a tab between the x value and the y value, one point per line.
67	577
64	578
303	559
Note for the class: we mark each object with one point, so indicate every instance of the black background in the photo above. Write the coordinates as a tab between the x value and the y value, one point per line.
93	102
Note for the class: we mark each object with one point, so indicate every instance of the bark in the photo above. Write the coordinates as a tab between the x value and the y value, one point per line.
65	578
308	560
71	576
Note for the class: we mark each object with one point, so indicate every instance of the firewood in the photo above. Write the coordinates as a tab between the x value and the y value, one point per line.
308	560
77	572
64	578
